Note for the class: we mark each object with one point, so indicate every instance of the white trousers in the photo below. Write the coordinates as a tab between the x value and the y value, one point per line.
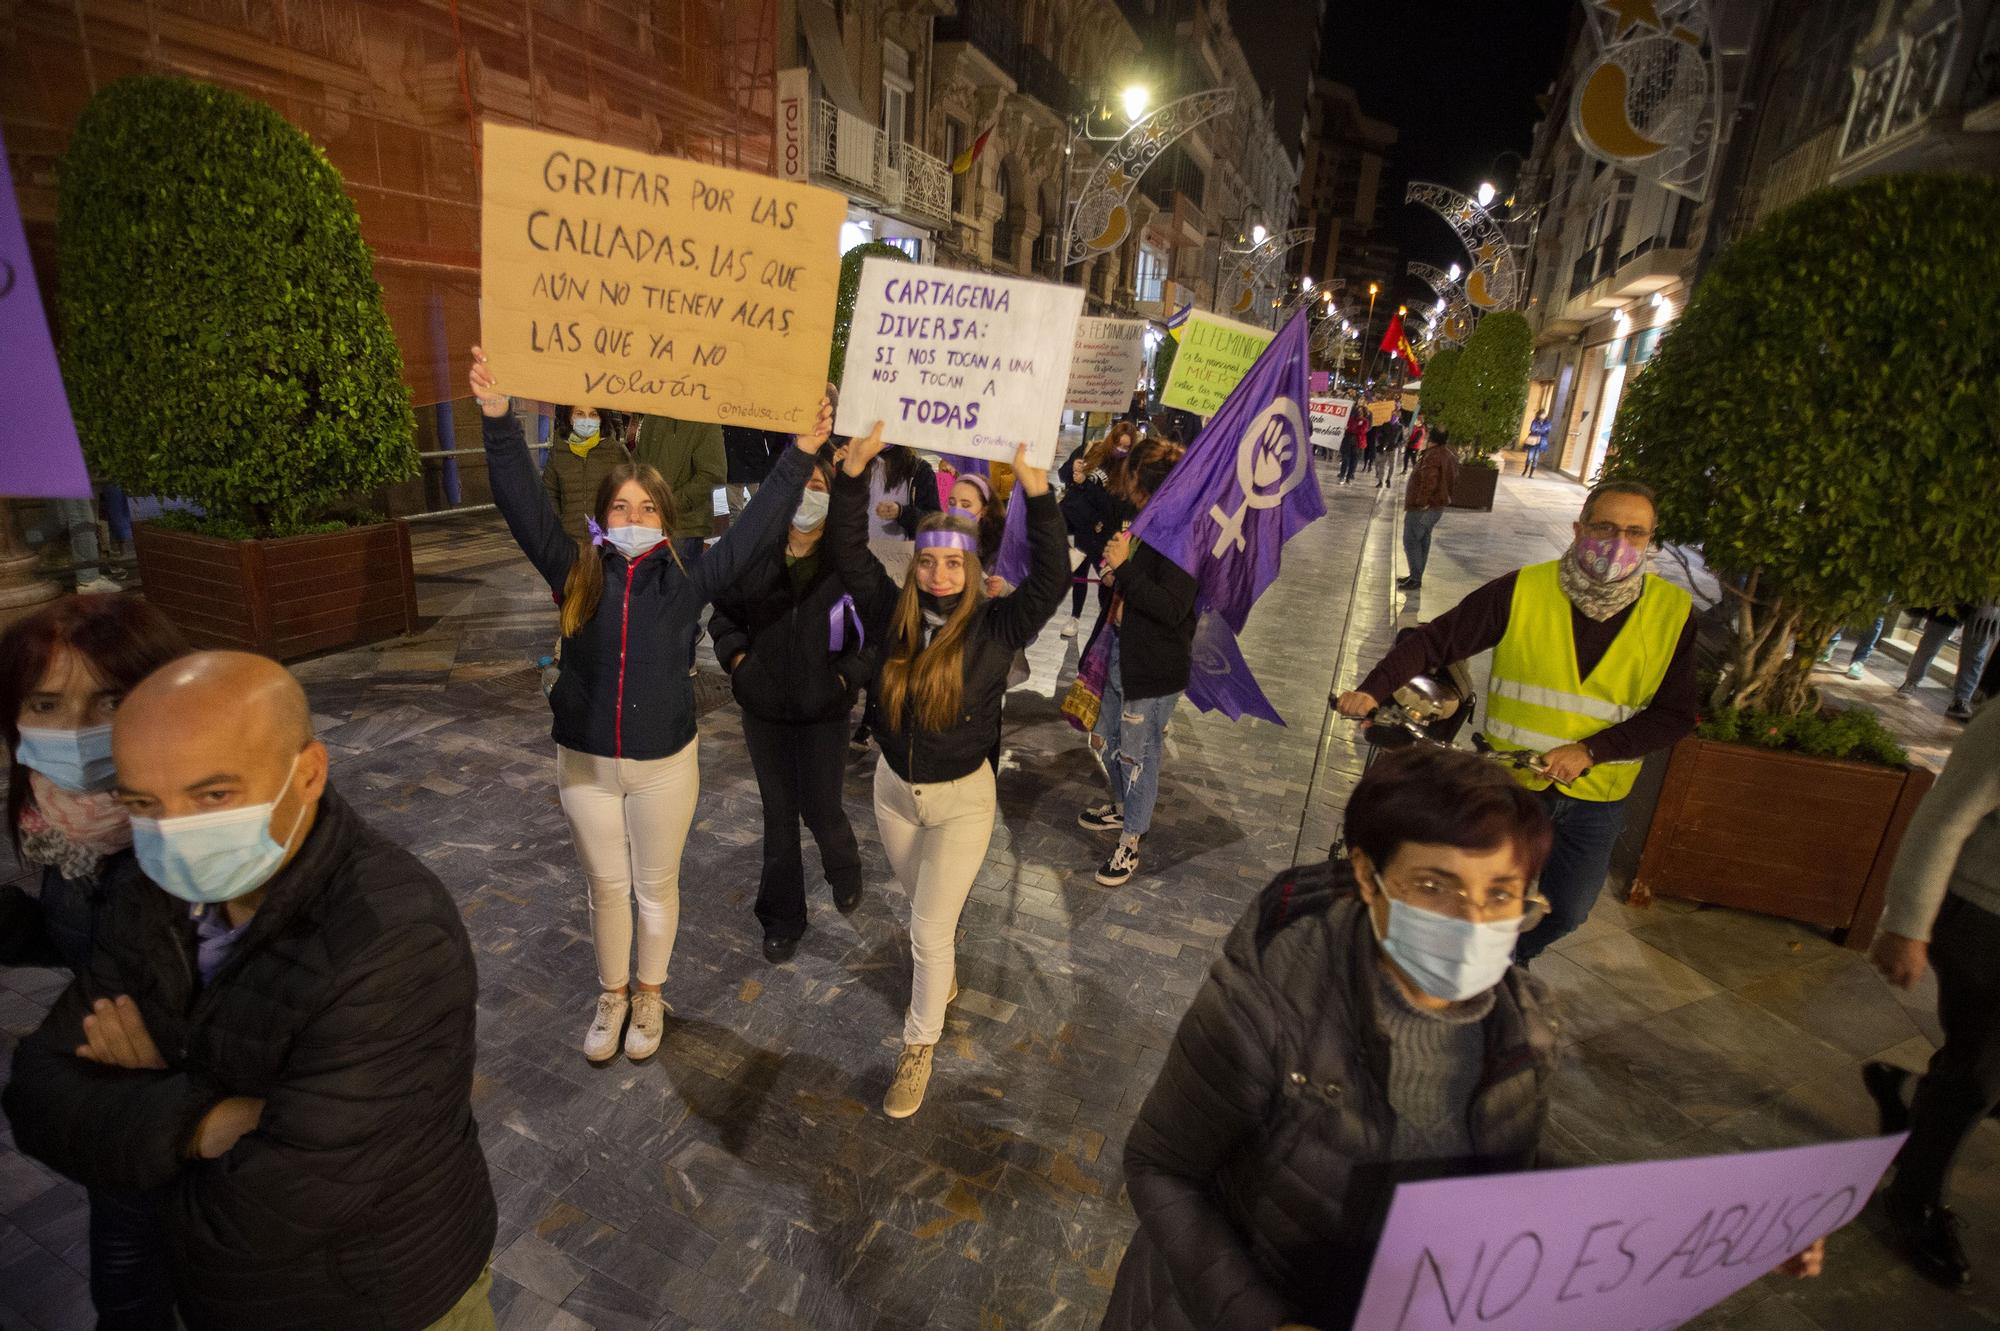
630	818
936	837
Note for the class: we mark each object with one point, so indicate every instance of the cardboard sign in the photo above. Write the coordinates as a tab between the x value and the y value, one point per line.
1329	420
1215	354
617	279
958	362
1105	365
1639	1247
43	458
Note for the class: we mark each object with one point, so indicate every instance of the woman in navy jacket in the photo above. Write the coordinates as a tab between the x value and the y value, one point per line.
624	712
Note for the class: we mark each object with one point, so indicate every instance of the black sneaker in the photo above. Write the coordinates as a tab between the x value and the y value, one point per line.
1124	862
1928	1233
846	894
1101	818
1885	1084
1959	711
777	950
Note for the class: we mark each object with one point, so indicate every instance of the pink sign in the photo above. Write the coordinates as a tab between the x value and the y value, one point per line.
1639	1247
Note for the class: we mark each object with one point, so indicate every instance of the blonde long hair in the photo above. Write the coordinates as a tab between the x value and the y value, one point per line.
584	587
931	680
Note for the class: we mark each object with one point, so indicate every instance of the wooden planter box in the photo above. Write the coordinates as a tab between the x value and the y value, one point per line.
286	597
1804	838
1474	486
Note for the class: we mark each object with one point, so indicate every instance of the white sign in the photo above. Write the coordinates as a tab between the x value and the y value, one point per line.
958	362
1329	420
1105	366
793	118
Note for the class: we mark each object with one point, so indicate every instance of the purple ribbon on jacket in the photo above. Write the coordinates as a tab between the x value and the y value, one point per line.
836	625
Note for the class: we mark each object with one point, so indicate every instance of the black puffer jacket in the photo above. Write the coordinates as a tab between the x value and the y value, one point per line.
789	673
361	1199
1259	1163
56	928
999	628
1156	628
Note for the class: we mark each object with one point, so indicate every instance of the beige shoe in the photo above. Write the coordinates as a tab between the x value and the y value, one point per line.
649	1019
600	1042
913	1074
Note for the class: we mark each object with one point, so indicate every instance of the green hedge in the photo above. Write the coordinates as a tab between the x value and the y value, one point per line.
843	301
223	337
1440	372
1489	388
1853	733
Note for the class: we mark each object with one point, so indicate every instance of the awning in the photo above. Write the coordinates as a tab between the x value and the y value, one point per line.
829	55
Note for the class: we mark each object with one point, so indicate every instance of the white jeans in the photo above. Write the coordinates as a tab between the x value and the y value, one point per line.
936	837
630	818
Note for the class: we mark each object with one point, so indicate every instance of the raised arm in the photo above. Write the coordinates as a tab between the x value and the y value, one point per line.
873	590
761	522
1014	620
517	491
923	499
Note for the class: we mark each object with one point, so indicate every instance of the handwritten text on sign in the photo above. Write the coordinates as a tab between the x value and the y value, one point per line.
958	362
1105	366
43	457
614	278
1329	420
1641	1247
1214	355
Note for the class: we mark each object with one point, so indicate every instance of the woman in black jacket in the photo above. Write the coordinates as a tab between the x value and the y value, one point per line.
936	712
1090	509
624	712
63	670
792	642
1365	1026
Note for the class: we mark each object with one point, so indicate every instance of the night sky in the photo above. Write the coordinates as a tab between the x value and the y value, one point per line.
1458	80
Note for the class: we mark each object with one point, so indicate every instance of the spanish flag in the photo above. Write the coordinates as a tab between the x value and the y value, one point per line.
963	162
1396	342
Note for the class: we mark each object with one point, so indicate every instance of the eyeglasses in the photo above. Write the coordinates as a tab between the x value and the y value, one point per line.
1605	531
1531	908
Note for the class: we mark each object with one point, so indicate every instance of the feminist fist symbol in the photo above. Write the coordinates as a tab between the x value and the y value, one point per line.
1269	465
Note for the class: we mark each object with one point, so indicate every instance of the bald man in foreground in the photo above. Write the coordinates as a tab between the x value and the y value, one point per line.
279	1040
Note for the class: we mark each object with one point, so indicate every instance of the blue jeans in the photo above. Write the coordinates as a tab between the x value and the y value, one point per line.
1586	830
1417	524
117	513
1130	738
1864	646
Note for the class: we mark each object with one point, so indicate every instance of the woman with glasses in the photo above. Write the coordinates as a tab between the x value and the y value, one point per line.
1593	668
1364	1027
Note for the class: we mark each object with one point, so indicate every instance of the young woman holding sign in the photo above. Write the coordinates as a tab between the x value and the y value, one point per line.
936	713
624	712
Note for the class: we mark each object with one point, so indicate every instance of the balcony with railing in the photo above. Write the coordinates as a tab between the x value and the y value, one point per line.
995	32
853	155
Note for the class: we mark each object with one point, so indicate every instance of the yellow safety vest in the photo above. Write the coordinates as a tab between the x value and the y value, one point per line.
1535	699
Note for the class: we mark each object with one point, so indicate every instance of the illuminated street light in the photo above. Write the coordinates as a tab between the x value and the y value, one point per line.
1455	271
1135	99
1486	192
1258	235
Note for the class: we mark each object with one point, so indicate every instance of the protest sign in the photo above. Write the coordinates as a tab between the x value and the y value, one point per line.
614	278
1329	421
1638	1247
44	459
1215	353
958	362
1105	366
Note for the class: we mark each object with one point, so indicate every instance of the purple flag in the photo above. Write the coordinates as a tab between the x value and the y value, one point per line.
1012	562
43	458
1245	487
1219	680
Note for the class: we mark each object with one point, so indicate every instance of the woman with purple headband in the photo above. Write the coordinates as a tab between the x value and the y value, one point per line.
946	649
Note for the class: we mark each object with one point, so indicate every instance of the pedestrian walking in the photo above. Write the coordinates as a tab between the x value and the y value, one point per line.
1943	911
1152	627
946	650
1593	668
1353	443
627	765
1538	440
1090	511
1391	448
793	644
1413	447
75	522
276	1034
585	448
63	671
1979	627
1424	503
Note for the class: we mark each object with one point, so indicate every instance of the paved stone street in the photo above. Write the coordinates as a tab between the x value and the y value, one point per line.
746	1177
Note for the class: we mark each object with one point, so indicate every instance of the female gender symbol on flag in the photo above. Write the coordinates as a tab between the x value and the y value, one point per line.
1268	454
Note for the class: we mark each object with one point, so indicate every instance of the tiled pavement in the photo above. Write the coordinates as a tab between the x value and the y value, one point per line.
746	1179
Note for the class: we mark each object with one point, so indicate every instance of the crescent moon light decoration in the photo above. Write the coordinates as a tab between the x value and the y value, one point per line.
1455	324
1648	103
1255	270
1493	262
1102	217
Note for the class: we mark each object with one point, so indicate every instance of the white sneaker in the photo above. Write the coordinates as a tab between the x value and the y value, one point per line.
1069	629
98	586
649	1019
600	1042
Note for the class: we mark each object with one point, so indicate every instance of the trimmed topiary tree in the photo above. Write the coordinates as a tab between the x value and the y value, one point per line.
1439	373
1824	421
850	287
223	338
1163	362
1489	387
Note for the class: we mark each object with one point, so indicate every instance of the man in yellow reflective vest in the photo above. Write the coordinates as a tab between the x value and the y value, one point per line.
1593	668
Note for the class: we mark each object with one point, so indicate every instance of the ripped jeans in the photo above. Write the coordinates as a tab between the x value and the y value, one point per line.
1128	739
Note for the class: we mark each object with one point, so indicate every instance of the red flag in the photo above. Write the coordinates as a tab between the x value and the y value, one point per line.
1397	342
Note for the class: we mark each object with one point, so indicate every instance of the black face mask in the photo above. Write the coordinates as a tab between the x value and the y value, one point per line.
942	606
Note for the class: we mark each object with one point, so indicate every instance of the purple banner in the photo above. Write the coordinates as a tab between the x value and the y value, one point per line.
1639	1247
42	458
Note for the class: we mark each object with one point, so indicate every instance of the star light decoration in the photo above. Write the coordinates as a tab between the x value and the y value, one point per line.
1455	323
1495	280
1102	218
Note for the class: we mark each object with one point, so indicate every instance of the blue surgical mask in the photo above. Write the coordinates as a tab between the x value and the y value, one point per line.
78	760
811	511
1445	956
634	541
206	858
583	429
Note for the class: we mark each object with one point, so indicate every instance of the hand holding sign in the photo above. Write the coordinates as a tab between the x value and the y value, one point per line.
815	438
1031	479
863	450
491	400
